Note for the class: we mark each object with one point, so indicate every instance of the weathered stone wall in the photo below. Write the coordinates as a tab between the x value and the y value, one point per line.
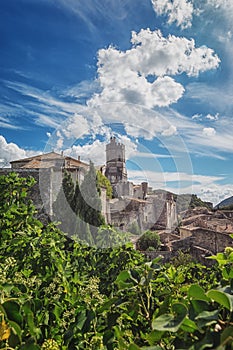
207	239
45	191
124	212
182	244
160	213
123	188
211	240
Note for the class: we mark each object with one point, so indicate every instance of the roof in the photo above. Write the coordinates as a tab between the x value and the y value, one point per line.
50	155
45	161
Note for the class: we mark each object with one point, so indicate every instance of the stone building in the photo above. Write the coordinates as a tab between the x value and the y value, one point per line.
115	162
48	169
132	203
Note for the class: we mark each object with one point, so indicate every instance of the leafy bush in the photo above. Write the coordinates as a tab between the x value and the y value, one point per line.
62	294
148	239
135	229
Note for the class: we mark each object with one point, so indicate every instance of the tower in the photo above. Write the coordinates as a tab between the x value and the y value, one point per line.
115	162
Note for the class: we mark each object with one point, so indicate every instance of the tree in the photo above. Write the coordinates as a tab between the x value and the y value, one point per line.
90	208
108	236
16	210
134	228
103	181
148	239
63	209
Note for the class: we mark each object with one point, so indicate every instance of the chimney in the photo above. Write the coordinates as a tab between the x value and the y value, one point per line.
79	158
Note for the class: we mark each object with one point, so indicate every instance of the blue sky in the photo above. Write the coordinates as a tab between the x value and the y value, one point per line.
157	74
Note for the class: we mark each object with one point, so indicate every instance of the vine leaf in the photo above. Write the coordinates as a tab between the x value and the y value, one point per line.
196	292
171	322
224	299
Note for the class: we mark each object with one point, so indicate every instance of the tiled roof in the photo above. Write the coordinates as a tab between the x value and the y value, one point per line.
46	161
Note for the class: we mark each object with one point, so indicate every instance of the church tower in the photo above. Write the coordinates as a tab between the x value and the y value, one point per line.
115	162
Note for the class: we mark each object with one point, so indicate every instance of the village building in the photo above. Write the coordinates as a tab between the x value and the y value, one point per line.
201	231
133	204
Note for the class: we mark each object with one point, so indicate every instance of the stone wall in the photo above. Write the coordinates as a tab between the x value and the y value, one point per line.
207	239
48	183
182	244
211	240
124	212
160	213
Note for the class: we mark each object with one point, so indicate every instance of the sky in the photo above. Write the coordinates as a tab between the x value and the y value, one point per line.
156	74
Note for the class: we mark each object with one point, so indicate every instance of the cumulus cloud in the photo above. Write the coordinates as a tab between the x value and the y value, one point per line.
96	151
10	151
212	117
209	117
172	130
143	73
209	132
178	11
206	187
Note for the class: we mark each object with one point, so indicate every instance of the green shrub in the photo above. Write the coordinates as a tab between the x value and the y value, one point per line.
149	239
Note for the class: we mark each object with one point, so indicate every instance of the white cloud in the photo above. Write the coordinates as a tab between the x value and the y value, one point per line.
142	74
212	117
209	132
220	97
197	116
84	89
179	11
96	150
206	187
172	130
10	151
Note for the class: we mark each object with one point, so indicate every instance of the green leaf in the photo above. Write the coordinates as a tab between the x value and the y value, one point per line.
134	347
189	326
227	335
221	298
197	292
12	310
30	346
30	319
154	336
156	347
206	318
171	322
16	329
107	304
123	276
57	311
81	319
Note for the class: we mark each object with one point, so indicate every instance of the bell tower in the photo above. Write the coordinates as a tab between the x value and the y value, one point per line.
115	162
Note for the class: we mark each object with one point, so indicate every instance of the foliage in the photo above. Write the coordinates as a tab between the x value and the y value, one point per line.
187	201
90	210
182	258
149	239
108	236
63	207
78	208
103	181
135	229
60	294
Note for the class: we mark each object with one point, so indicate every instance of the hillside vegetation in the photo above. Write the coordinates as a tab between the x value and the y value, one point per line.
57	293
187	201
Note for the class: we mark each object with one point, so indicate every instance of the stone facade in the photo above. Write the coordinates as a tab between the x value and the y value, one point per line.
132	203
115	162
48	171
